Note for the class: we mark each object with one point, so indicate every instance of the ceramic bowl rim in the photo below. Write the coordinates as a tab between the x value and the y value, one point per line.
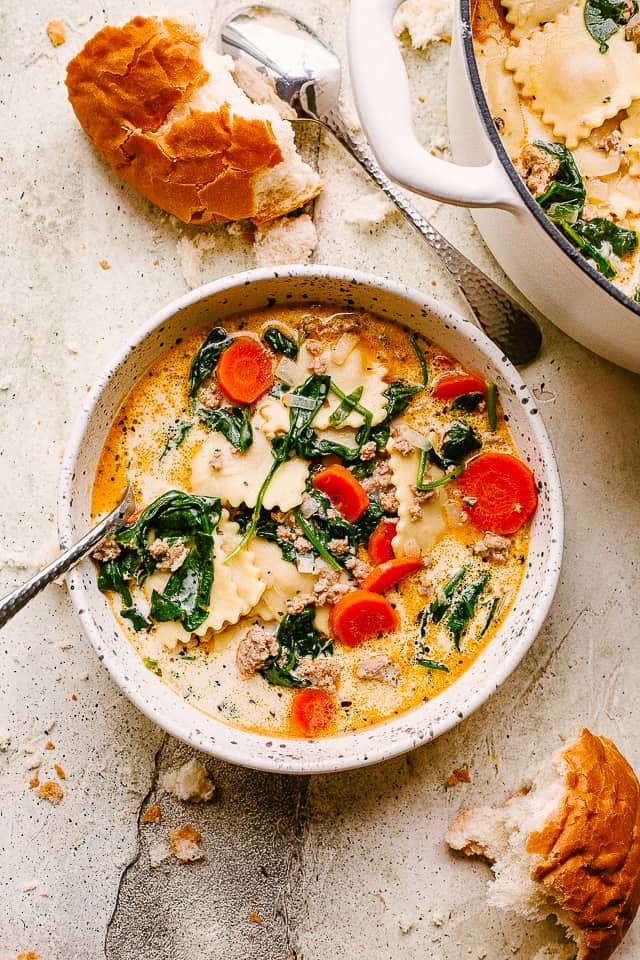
376	749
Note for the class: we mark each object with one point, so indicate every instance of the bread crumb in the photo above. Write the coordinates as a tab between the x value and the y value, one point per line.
458	775
74	696
426	21
105	265
56	32
184	844
255	917
34	782
367	210
189	782
152	815
31	955
58	769
159	853
49	746
285	240
51	791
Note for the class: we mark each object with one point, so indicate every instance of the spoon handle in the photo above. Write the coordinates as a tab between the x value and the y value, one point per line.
15	601
503	320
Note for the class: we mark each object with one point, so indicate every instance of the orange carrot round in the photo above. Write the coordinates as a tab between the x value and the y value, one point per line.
451	385
504	491
360	615
245	370
312	710
387	574
379	547
347	495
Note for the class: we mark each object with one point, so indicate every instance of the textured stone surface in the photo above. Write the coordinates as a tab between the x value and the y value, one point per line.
348	865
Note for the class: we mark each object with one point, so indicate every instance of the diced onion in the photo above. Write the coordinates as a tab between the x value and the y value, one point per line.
419	440
287	371
343	348
306	563
298	402
309	507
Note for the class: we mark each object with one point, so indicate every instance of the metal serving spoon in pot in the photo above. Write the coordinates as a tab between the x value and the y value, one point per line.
21	596
306	73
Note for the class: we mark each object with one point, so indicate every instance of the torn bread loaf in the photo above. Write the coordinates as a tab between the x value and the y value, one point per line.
166	113
568	845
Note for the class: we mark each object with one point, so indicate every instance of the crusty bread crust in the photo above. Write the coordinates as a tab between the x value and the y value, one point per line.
202	166
590	848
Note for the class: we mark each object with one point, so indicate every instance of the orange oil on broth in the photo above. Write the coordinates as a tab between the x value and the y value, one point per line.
204	673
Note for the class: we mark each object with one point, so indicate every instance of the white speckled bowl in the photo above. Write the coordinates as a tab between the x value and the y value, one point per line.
249	291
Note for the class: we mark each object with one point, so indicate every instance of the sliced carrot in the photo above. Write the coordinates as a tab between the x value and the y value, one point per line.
387	574
360	615
504	491
451	385
379	547
245	370
312	710
347	495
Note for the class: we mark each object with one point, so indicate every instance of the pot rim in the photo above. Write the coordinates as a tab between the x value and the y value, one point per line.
370	744
505	160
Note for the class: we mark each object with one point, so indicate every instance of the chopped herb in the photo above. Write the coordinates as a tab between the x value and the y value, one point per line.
153	665
281	343
492	612
421	360
234	424
341	412
492	410
467	402
602	18
175	435
137	619
297	637
464	606
432	664
205	360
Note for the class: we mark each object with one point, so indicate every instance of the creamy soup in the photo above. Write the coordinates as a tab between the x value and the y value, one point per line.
333	520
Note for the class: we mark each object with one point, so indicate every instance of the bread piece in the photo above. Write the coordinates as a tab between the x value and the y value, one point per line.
568	845
169	118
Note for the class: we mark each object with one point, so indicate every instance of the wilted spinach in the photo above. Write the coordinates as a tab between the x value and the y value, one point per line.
297	637
323	525
137	619
281	343
602	18
436	610
233	423
267	528
173	516
467	402
175	435
205	360
459	439
349	403
464	607
563	202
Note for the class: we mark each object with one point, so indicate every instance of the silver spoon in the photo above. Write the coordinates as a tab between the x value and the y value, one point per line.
306	73
16	600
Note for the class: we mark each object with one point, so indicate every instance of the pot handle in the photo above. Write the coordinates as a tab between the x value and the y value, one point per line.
382	95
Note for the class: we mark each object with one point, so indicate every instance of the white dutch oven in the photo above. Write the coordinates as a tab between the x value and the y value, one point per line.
535	255
286	285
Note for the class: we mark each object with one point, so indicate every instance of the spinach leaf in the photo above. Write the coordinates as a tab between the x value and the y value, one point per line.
429	453
492	612
281	343
417	349
459	439
602	19
564	198
432	664
234	424
467	402
188	591
175	435
440	604
138	620
399	395
205	360
602	232
297	637
368	522
174	514
111	577
349	403
636	296
464	606
267	528
153	666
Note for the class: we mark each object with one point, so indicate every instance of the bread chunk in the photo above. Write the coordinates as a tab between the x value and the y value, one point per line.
168	116
568	845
